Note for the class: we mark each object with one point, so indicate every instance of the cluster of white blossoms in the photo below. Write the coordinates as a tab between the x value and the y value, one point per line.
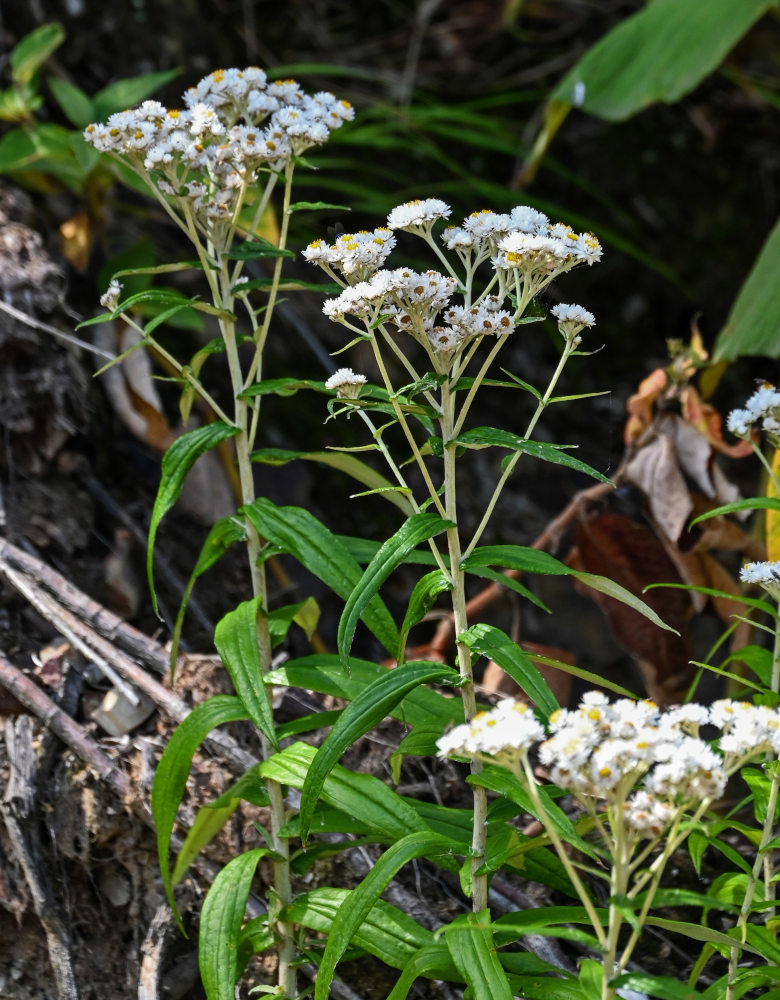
234	124
763	407
601	751
524	249
346	383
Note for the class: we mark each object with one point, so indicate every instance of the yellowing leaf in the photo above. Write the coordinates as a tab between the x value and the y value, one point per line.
773	516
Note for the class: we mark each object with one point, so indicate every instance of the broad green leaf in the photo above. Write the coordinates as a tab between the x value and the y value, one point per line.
210	819
433	961
754	503
418	528
486	437
662	987
759	783
753	325
470	941
219	539
329	820
254	938
543	988
658	54
33	50
221	918
386	932
282	387
124	94
73	101
365	712
699	933
352	466
305	614
325	674
349	919
533	561
176	463
170	778
236	640
542	920
307	723
298	532
358	795
497	646
423	597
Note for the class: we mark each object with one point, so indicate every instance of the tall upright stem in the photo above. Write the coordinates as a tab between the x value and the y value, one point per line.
479	830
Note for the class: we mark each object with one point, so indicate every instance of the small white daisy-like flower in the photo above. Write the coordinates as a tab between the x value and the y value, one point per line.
418	215
347	383
506	731
110	298
571	320
765	574
525	219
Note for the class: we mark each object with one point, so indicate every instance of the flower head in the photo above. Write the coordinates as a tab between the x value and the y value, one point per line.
765	574
347	383
418	215
110	298
571	320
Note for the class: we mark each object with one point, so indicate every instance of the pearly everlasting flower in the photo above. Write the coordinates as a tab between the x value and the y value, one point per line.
765	574
509	729
356	255
418	215
347	383
763	408
647	815
571	320
525	219
110	298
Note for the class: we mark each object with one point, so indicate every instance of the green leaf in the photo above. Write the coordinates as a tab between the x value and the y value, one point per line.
282	387
486	437
433	961
538	988
387	932
298	532
533	561
305	614
220	925
352	466
316	206
496	645
656	986
349	919
658	54
73	101
470	941
289	285
124	94
210	818
357	795
170	778
236	640
257	249
33	50
698	933
424	595
754	503
759	784
176	463
219	539
415	529
365	712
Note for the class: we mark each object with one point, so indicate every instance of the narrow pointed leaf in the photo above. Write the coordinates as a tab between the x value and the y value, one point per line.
220	925
176	463
366	711
170	778
127	92
349	919
418	528
486	437
423	597
298	532
433	961
236	640
470	941
496	645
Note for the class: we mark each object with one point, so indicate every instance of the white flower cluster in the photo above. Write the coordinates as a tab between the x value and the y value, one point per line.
355	255
571	320
765	574
234	124
763	406
601	751
418	216
346	383
110	298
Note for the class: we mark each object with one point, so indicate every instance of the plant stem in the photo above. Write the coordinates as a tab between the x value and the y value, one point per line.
458	594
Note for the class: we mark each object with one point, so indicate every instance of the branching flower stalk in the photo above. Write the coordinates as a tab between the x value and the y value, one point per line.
644	777
525	253
238	131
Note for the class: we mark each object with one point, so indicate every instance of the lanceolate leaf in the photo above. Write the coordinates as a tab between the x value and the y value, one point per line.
470	941
433	961
176	463
352	466
416	529
496	645
298	532
172	772
486	437
366	711
425	592
533	561
220	925
349	919
236	641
